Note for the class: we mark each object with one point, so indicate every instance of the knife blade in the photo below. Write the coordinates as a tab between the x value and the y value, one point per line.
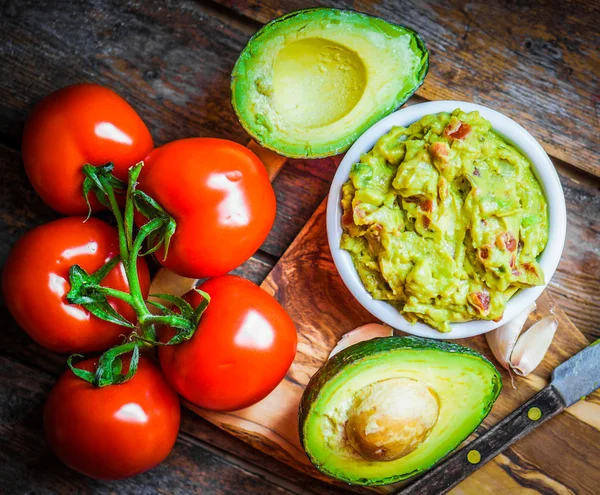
578	376
572	380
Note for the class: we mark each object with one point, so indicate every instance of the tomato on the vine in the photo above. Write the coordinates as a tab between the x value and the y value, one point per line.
35	282
116	431
219	194
79	124
243	347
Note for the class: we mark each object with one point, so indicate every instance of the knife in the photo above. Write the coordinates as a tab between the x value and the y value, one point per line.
571	381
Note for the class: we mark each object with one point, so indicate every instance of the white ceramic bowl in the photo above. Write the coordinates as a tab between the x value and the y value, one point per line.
513	133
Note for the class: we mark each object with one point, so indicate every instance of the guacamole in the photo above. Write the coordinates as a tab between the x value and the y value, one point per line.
445	220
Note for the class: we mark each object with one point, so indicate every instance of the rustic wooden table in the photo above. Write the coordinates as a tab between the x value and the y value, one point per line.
171	60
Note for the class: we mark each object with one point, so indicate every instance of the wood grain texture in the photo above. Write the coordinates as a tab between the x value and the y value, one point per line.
28	466
537	62
20	211
457	466
171	61
300	187
271	160
576	283
569	458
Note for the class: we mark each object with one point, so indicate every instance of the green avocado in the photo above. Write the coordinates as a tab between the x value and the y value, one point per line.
386	409
308	84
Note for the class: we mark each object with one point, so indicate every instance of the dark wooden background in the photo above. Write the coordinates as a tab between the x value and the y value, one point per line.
538	62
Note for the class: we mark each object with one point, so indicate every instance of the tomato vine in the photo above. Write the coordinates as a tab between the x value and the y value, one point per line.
87	290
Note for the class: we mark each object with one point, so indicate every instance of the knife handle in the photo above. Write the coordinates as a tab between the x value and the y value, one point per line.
464	462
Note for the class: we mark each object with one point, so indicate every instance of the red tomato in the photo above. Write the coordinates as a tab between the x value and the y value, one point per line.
116	431
80	124
220	196
242	348
36	280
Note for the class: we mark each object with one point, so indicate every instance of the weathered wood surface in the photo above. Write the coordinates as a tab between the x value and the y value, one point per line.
302	184
300	187
28	466
21	210
538	62
564	454
172	62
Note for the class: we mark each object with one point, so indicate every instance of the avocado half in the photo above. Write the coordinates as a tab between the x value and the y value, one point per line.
443	390
308	84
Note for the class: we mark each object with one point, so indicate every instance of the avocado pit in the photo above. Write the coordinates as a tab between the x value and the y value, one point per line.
391	418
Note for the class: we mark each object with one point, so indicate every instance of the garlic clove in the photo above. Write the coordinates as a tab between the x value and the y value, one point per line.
531	347
365	332
502	340
167	282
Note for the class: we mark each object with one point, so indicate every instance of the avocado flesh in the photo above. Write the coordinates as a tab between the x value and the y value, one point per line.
310	83
465	383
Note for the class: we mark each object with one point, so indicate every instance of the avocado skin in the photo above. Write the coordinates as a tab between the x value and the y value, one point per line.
381	345
270	26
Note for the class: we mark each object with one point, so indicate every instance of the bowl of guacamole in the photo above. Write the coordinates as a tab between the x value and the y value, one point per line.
446	219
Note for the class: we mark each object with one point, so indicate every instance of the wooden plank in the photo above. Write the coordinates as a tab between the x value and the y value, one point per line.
27	465
17	345
303	184
300	188
271	160
564	454
20	211
534	61
576	283
172	63
210	434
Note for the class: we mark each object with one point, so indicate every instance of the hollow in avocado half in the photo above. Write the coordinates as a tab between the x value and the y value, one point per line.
311	82
386	409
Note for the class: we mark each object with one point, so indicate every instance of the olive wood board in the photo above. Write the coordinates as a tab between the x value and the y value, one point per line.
562	456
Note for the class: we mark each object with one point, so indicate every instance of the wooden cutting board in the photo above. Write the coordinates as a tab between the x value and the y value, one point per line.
562	456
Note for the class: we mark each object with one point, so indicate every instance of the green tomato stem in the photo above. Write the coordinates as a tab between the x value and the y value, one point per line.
162	225
105	269
109	370
169	320
135	289
134	173
117	294
116	211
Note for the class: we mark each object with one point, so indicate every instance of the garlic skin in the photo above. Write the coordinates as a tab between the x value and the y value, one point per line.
167	282
502	341
365	332
531	347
